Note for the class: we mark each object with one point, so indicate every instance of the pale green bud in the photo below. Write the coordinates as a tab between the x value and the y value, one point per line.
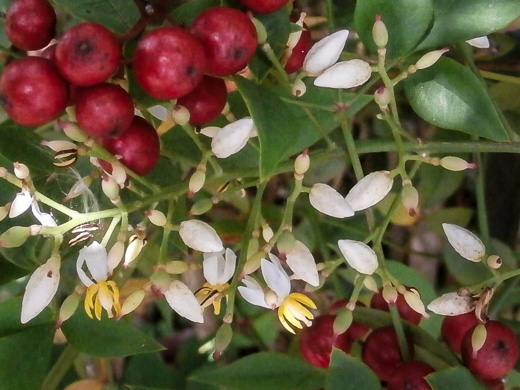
14	236
222	339
380	33
201	206
342	322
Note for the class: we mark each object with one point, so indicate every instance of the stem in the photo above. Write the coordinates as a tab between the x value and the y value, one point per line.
60	368
399	330
481	201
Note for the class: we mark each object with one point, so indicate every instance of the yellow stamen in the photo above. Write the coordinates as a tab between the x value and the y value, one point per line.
293	311
209	295
102	295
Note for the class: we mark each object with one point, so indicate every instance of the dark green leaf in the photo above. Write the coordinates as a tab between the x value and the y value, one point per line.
107	338
265	370
450	96
9	271
456	21
454	378
431	191
348	373
116	15
10	310
187	12
407	22
464	271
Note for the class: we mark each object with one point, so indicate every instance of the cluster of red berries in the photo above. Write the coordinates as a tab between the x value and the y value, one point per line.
169	62
381	351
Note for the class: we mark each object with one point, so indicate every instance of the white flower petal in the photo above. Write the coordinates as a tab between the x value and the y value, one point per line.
232	137
229	266
45	219
276	279
479	42
302	263
253	293
212	267
345	74
370	190
160	112
22	201
325	53
200	236
328	201
96	258
40	289
183	301
464	242
359	256
452	304
210	131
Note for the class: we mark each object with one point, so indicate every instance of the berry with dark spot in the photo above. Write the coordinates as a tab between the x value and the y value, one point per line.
410	376
32	92
88	54
454	328
229	39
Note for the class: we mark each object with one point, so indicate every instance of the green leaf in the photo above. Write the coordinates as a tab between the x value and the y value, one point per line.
456	21
464	271
186	13
9	271
116	15
348	373
454	378
24	349
436	184
407	22
450	96
107	338
265	370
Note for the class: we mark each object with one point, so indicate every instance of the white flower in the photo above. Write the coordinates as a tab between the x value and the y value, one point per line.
45	219
479	42
345	74
302	263
370	190
330	202
21	203
325	53
40	289
452	304
291	306
217	269
464	242
200	236
183	301
232	137
359	256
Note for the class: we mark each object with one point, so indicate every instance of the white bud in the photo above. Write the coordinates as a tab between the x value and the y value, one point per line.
196	182
110	188
325	53
389	293
181	115
380	32
267	233
346	74
494	262
456	164
183	301
131	303
200	236
298	88
301	261
359	256
452	304
21	171
160	112
210	131
302	163
370	284
156	217
133	250
464	242
232	137
413	300
479	42
115	255
430	58
370	190
328	201
410	198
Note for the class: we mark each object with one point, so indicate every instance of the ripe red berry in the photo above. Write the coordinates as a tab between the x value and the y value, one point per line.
410	375
316	341
295	61
30	24
206	101
88	54
381	352
264	6
455	327
229	39
169	62
405	311
104	110
32	92
138	146
497	356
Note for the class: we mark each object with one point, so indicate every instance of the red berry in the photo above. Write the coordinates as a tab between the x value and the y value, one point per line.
316	341
104	110
229	39
50	53
405	311
295	61
410	376
169	62
88	54
138	146
32	92
497	356
206	101
30	24
264	6
455	327
381	352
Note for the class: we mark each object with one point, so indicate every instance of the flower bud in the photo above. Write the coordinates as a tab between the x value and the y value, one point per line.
196	181
176	267
4	211
478	338
382	97
200	236
325	53
14	236
156	217
452	304
464	242
183	301
201	206
345	74
232	138
430	58
110	189
271	299
370	190
160	281
302	163
222	339
413	300
370	284
261	32
380	33
253	263
453	163
131	303
479	42
285	242
135	246
359	256
21	171
342	322
328	201
267	232
68	308
72	131
115	255
298	88
389	293
410	198
119	174
181	115
494	262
